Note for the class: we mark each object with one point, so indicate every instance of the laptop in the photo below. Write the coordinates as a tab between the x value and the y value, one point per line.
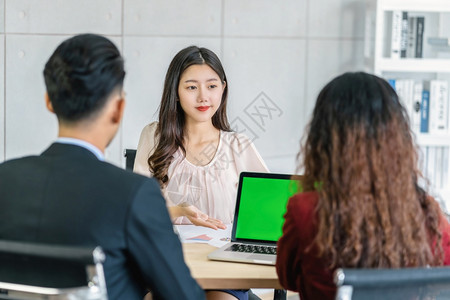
258	218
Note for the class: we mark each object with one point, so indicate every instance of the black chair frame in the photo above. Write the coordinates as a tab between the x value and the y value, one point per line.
386	284
41	271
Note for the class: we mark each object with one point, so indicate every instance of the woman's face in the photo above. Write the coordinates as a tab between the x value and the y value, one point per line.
200	93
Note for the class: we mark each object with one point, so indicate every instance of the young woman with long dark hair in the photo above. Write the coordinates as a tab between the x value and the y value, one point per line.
192	151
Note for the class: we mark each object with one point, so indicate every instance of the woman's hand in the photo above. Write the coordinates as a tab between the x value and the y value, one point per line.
199	218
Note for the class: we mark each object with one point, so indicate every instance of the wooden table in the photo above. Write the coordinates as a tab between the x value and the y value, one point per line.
228	275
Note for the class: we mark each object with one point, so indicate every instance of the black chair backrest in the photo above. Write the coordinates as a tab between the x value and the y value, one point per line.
387	284
35	268
130	155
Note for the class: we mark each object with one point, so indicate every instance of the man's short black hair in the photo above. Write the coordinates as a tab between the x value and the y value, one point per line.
81	74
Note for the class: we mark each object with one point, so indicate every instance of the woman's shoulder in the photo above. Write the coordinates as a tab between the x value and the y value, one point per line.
302	209
148	133
305	202
242	151
150	128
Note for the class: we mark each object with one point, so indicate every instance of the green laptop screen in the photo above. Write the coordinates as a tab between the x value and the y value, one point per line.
262	207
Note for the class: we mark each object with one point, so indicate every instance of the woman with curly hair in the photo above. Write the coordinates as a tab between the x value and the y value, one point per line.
361	205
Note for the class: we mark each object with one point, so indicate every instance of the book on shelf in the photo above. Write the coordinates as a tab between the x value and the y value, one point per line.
425	113
438	106
430	172
420	24
416	106
438	167
404	35
445	157
407	35
396	35
439	41
433	162
425	102
392	82
405	91
422	158
412	34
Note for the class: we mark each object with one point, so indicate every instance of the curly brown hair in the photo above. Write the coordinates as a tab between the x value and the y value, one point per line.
360	156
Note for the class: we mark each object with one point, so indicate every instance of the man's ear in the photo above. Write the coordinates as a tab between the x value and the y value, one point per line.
48	103
119	108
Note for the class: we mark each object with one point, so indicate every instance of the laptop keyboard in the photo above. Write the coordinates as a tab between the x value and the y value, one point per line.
253	249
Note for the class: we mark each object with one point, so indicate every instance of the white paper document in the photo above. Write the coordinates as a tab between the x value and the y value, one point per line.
199	234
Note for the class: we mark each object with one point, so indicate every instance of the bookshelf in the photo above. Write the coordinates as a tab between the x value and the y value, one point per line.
387	22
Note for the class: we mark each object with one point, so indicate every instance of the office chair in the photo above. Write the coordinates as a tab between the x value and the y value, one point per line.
390	284
130	156
38	271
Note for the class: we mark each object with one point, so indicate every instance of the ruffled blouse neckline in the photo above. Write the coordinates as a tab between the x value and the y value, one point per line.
179	154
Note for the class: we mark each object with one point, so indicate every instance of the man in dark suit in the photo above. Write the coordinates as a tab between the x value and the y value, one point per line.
69	196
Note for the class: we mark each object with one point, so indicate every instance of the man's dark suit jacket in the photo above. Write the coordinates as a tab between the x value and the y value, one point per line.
67	196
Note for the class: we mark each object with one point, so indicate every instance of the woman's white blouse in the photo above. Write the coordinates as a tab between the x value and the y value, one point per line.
211	188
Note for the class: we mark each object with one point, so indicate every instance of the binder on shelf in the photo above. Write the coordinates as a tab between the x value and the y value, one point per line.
396	36
424	116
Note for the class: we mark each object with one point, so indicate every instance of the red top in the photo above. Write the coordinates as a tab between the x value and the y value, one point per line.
303	272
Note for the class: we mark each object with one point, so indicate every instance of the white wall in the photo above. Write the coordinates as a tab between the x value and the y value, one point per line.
275	52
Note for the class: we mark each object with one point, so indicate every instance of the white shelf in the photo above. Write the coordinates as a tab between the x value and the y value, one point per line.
413	65
415	5
429	139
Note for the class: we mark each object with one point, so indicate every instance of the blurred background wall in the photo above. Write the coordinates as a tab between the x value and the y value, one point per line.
277	56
